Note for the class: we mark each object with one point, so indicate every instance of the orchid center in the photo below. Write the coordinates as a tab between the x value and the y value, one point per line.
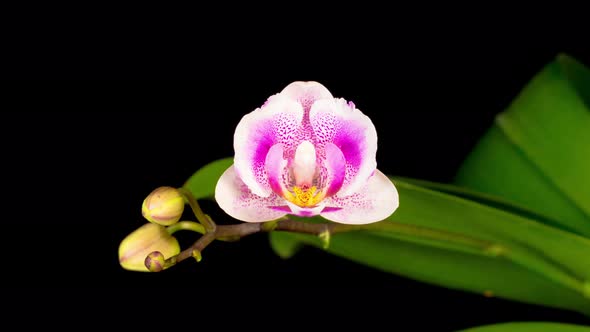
305	171
306	197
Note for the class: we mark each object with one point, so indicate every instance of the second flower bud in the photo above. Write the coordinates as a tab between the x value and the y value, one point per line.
163	206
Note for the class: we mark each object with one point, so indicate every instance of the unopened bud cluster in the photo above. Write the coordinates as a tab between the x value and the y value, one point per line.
148	247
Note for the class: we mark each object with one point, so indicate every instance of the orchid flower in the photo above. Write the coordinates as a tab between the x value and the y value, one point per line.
306	153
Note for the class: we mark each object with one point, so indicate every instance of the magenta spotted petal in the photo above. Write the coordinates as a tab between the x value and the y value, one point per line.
306	153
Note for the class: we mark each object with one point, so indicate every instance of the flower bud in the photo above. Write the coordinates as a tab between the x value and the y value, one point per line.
164	206
155	261
134	249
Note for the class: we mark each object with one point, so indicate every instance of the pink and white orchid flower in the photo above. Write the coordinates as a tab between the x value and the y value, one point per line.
306	153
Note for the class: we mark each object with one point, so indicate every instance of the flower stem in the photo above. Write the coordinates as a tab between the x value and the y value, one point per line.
235	232
204	219
186	226
197	247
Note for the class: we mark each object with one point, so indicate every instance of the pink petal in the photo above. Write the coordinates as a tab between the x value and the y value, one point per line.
306	93
275	168
340	123
377	200
275	122
335	168
235	198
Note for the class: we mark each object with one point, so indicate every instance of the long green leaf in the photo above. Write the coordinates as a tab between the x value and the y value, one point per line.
486	199
536	154
451	269
529	327
550	122
536	263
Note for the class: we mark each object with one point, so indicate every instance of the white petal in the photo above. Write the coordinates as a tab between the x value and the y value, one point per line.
377	200
306	93
237	200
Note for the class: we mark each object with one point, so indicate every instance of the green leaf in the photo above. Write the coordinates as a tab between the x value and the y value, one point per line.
284	245
529	327
484	198
202	183
536	153
504	254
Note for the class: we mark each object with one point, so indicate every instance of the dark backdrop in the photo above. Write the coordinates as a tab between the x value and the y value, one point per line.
81	156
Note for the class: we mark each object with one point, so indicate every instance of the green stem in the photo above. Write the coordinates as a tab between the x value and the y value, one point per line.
186	226
204	219
224	232
198	247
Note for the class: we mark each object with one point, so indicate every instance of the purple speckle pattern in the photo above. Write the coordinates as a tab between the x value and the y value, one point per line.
351	141
255	204
356	201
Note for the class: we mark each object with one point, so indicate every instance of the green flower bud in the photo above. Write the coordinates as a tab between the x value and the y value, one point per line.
164	206
155	261
137	246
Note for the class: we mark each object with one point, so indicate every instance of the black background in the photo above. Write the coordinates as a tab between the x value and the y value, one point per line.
81	156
